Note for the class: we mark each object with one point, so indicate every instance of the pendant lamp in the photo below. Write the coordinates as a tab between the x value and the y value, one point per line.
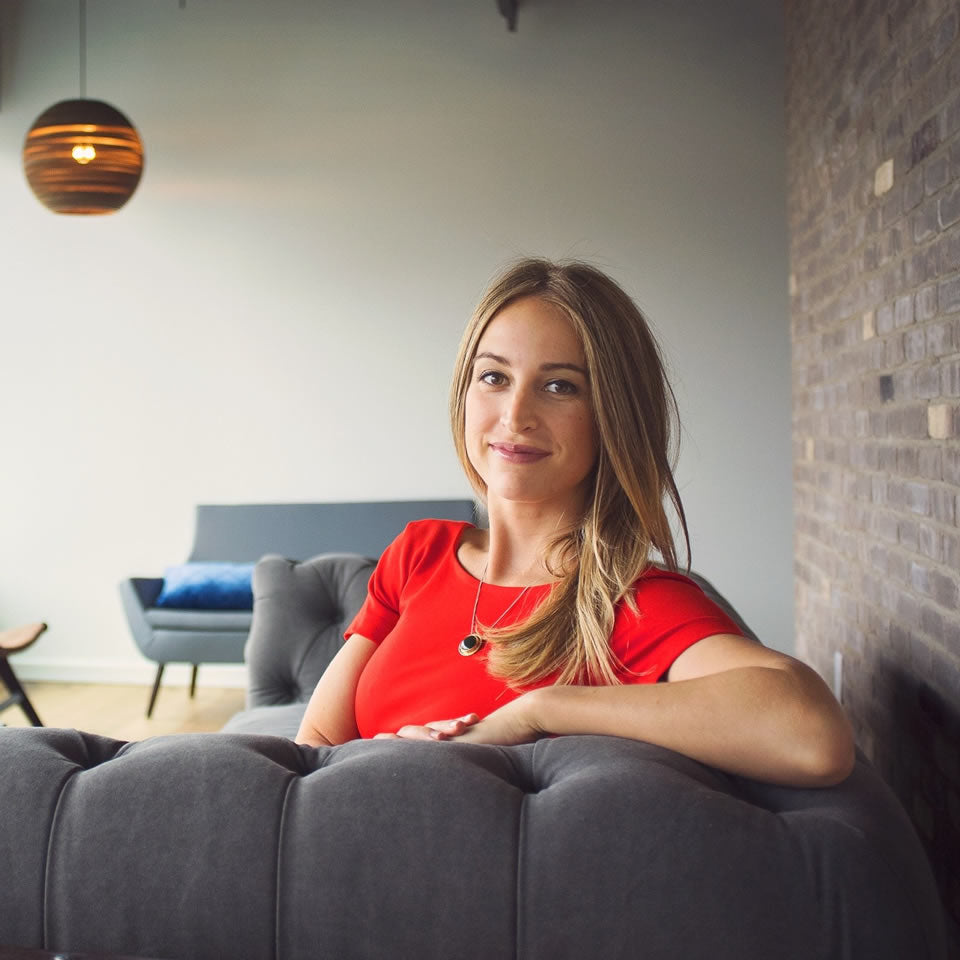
83	156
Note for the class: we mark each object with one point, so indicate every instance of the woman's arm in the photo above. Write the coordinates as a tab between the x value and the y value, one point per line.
331	715
729	703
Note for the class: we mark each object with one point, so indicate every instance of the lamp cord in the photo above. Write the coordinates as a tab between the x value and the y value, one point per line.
83	49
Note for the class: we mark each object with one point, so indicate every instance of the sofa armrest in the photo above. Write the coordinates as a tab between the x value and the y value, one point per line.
300	611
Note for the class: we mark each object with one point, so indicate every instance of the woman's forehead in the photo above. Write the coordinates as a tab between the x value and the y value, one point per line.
531	326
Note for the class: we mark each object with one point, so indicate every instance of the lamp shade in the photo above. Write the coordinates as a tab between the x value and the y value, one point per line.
82	156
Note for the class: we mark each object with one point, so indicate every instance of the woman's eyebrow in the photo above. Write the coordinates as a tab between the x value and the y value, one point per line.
486	355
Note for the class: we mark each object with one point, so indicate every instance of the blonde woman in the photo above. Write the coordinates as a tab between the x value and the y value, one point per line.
568	615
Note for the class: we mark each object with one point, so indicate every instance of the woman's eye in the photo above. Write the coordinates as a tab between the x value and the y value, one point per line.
561	386
492	377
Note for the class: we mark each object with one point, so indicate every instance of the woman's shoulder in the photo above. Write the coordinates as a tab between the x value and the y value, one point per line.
425	541
658	576
432	530
670	595
656	585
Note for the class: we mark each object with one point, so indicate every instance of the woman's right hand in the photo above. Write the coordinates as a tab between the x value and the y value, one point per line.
435	730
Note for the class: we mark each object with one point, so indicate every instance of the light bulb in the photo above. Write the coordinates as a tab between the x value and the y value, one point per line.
83	152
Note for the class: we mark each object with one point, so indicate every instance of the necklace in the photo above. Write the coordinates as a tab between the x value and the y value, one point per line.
472	642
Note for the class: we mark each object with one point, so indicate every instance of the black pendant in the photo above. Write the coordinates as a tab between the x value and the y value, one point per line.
469	645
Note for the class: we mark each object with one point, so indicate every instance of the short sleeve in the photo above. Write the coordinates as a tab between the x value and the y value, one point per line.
381	610
401	571
673	615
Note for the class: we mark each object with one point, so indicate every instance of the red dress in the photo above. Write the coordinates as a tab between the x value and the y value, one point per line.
420	605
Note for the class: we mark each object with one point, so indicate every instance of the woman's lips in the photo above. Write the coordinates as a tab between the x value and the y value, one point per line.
517	453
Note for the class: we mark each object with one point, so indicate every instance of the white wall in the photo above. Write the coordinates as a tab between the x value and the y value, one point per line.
328	188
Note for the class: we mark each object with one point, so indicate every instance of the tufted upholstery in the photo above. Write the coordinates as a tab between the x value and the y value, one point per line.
253	848
300	611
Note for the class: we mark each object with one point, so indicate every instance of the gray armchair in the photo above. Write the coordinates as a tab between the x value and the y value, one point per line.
243	533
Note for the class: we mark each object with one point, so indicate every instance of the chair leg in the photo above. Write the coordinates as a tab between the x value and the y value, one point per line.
193	680
17	694
156	689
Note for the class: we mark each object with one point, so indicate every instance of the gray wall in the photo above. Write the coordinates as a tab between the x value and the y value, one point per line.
328	188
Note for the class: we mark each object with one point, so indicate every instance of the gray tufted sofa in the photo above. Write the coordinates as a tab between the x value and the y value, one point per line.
244	845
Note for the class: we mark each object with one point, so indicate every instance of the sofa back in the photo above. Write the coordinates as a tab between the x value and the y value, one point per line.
245	532
199	846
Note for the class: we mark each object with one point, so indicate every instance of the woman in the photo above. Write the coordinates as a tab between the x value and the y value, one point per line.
555	620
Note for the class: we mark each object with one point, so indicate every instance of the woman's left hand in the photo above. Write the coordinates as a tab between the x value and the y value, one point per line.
514	722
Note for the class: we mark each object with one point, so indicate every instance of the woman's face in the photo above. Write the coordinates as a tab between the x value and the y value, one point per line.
529	423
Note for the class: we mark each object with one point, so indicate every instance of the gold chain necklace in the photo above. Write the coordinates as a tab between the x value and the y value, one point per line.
472	642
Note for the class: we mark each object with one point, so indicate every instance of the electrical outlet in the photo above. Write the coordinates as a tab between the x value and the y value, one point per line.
838	675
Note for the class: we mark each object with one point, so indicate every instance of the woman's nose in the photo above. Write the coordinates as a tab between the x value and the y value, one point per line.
518	414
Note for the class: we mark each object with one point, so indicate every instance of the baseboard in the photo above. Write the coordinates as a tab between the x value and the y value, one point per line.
39	670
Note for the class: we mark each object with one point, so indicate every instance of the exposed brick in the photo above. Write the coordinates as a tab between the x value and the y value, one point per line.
913	189
915	345
940	421
926	381
936	174
920	578
944	589
926	221
949	295
944	35
931	623
921	265
949	206
908	461
918	498
925	304
907	534
943	503
951	118
950	379
920	63
884	319
950	549
925	140
948	253
893	280
875	324
951	465
903	311
883	175
928	541
891	211
931	463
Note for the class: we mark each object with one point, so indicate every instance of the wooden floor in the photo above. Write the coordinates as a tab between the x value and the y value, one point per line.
120	711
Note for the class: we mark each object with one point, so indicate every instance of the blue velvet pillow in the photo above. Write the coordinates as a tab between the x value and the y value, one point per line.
208	586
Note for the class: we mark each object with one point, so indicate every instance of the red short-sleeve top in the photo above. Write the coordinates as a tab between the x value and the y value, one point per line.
420	606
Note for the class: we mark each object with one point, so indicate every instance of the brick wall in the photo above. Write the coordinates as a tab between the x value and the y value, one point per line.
873	139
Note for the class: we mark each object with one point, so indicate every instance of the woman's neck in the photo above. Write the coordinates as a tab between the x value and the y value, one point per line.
518	542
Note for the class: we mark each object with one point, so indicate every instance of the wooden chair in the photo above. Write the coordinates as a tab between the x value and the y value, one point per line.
13	641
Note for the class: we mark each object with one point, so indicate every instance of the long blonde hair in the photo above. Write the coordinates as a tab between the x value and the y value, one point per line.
625	521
